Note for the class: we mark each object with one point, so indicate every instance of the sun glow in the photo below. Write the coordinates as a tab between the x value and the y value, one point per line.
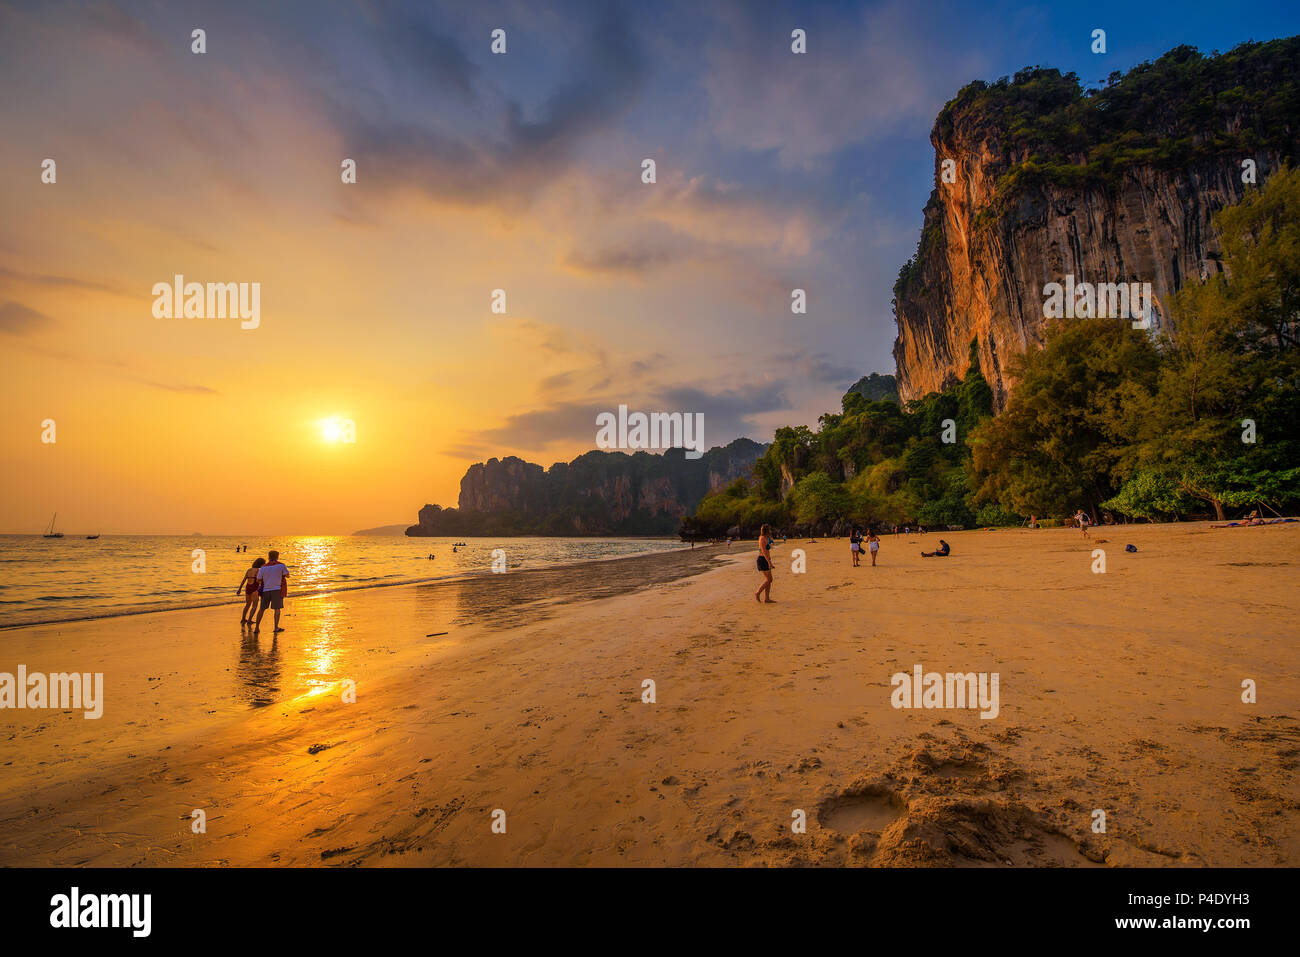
333	430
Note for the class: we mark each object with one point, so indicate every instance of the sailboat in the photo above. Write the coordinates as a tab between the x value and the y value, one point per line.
52	533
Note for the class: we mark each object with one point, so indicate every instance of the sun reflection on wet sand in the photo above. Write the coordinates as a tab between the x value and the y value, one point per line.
320	646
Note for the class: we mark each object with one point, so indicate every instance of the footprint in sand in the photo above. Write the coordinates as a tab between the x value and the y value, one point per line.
872	809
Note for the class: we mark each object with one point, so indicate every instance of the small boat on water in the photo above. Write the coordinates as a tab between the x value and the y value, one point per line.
51	533
91	538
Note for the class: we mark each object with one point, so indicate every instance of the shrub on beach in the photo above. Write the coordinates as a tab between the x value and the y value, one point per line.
996	516
1150	495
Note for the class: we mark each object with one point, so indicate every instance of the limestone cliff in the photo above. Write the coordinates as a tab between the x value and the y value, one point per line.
1117	185
599	493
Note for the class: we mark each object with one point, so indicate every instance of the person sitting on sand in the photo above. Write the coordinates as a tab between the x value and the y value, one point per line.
765	565
274	579
248	584
855	546
873	543
940	552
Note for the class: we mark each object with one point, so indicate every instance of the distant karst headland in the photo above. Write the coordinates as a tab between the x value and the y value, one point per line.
598	493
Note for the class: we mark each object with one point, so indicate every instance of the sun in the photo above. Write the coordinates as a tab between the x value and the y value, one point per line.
332	430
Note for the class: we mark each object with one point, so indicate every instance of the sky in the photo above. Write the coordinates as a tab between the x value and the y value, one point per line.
475	172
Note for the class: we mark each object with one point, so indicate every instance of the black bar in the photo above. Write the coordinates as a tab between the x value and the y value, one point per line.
925	908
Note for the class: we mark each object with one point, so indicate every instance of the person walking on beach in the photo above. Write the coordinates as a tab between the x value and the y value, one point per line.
855	546
873	543
765	565
274	579
1082	519
249	586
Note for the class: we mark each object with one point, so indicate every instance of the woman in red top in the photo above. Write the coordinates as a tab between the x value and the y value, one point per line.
251	590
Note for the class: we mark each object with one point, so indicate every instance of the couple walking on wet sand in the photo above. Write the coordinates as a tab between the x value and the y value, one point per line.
265	583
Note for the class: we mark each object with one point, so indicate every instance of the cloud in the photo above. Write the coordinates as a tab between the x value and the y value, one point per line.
17	319
648	364
727	413
466	451
114	23
428	58
634	258
823	369
754	238
182	387
523	154
814	369
12	276
539	428
858	79
548	337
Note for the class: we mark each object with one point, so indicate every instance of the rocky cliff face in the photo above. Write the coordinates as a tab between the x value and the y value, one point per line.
982	278
599	493
499	483
1115	185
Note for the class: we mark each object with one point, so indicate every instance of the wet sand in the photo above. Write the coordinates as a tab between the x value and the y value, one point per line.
1119	692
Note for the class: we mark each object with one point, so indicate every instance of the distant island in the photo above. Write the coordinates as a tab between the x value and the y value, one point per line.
397	529
598	493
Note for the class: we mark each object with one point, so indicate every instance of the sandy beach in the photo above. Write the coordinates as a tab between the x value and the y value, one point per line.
1119	692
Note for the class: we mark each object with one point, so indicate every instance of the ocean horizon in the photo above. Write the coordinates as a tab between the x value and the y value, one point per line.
70	579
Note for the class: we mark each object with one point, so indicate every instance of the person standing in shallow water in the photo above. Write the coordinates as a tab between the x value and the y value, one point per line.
765	565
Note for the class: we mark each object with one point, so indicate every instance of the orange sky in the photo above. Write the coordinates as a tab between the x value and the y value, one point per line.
475	172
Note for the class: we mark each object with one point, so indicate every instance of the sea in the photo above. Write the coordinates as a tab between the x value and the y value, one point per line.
68	579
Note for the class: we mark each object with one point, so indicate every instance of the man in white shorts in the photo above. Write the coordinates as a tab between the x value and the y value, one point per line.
273	578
